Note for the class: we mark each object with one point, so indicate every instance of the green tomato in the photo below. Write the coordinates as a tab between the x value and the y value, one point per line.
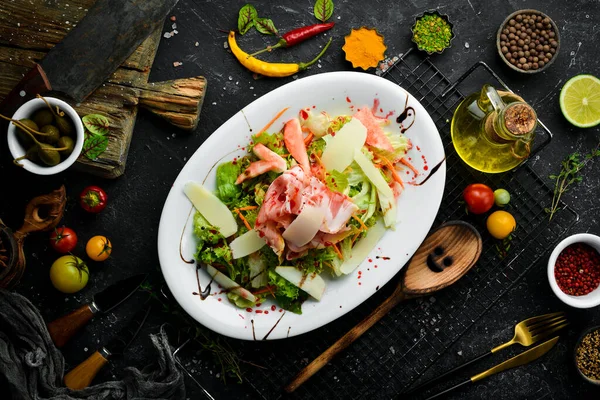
69	274
501	197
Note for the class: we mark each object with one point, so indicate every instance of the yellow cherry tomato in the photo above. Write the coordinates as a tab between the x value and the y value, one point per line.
98	248
500	224
69	274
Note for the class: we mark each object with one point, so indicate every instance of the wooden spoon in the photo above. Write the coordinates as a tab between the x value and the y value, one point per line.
42	213
443	258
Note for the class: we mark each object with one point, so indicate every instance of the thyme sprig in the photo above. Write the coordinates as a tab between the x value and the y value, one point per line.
568	175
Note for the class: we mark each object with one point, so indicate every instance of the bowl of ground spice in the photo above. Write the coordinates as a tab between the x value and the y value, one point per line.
528	41
432	32
587	355
364	48
574	270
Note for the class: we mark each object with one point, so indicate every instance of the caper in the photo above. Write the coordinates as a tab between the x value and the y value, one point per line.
66	141
26	140
52	133
48	154
43	117
64	125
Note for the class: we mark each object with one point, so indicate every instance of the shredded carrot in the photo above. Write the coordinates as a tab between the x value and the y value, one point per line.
360	221
308	138
244	220
328	264
247	208
265	290
392	170
339	253
409	165
355	237
279	114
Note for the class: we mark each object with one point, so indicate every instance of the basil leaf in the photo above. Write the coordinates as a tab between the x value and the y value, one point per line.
97	124
246	18
266	26
323	9
94	146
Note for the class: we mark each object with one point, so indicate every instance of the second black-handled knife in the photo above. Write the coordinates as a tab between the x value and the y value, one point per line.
63	328
82	375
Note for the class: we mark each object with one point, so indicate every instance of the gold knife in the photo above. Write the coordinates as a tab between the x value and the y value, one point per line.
522	359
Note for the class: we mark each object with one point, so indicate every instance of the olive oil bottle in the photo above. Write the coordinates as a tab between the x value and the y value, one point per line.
493	131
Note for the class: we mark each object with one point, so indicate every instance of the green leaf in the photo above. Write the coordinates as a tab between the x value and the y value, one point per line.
97	124
265	26
246	18
94	146
323	9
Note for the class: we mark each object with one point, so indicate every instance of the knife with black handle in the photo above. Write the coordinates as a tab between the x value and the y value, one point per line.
63	328
92	51
82	375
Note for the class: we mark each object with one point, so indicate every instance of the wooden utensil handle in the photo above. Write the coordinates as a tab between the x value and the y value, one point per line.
33	82
345	341
82	375
178	101
63	328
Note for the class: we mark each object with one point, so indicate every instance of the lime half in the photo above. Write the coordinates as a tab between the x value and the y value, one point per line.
580	100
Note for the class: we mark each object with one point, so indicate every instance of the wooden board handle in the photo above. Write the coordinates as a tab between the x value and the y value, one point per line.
178	101
63	328
34	82
82	375
345	341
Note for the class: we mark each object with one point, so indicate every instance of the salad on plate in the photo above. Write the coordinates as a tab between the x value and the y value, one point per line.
312	199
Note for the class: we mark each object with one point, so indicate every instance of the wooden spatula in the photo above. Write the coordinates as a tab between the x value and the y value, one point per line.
444	257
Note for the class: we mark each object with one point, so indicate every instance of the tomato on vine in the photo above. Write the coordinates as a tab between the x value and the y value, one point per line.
69	274
98	248
63	239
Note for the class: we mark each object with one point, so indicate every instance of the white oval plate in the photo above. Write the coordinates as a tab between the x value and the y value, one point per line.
334	92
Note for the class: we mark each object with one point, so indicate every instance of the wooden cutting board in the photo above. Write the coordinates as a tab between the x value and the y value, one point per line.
29	28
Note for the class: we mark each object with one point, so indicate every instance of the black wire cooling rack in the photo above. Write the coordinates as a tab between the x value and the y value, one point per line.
407	342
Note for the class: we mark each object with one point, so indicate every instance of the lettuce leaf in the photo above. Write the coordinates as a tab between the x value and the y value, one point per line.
227	191
274	141
338	182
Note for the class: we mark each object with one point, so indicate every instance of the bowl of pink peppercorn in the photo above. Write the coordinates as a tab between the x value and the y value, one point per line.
574	270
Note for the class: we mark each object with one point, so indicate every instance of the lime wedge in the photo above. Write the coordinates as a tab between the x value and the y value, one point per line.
580	100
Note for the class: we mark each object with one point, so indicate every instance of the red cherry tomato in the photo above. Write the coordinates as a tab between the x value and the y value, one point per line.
479	198
93	199
63	240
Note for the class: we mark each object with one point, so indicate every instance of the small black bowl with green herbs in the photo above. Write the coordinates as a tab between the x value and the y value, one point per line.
432	32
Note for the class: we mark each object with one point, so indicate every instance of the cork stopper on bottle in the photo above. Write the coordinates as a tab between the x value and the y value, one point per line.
519	118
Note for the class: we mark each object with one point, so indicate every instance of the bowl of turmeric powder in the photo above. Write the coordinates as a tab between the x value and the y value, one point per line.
364	48
432	32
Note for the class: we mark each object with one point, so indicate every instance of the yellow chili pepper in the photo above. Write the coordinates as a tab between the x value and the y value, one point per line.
269	69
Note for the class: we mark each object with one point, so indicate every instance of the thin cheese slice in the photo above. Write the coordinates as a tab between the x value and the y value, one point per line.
387	201
363	248
246	244
229	284
312	284
340	148
373	173
305	226
211	208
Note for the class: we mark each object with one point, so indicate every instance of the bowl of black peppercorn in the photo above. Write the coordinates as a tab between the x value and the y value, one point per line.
528	41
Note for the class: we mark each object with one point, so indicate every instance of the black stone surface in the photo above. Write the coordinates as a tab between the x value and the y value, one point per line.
158	152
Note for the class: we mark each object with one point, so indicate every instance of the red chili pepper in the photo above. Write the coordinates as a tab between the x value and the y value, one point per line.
298	35
93	199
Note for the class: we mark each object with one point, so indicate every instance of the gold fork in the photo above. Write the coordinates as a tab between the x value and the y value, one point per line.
527	332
